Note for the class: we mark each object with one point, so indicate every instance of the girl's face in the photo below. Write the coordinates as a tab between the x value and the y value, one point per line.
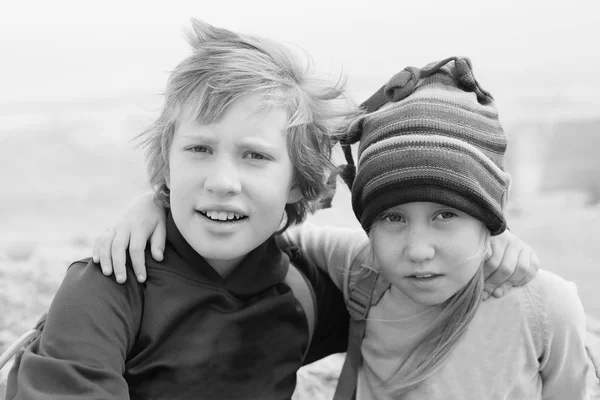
428	251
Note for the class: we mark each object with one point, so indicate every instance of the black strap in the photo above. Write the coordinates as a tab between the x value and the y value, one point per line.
346	387
360	295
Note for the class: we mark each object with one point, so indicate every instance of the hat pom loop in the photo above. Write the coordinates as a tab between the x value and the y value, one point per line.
402	84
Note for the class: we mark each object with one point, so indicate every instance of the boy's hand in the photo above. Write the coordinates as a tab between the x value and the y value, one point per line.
143	220
511	263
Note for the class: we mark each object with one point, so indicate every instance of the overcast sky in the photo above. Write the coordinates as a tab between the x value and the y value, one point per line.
68	49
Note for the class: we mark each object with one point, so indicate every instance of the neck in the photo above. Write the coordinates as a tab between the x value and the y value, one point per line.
224	267
408	308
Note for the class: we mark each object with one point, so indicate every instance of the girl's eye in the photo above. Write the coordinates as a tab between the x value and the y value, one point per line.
392	217
444	215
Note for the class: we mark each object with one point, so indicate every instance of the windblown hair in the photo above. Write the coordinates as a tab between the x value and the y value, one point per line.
226	66
440	339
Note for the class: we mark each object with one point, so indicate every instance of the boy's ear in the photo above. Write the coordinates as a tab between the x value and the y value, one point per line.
295	194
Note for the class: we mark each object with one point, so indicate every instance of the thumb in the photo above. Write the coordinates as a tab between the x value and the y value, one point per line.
158	240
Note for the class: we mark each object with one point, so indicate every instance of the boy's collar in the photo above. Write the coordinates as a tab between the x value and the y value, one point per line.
262	268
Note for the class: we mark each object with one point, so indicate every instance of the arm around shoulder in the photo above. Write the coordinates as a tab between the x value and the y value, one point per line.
90	329
330	249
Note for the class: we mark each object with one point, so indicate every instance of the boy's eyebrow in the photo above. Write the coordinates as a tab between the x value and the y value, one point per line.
209	139
252	142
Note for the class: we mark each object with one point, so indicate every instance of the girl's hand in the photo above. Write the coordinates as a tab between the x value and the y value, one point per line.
143	220
511	263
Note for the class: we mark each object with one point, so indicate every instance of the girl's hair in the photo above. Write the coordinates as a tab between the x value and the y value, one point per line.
226	66
447	330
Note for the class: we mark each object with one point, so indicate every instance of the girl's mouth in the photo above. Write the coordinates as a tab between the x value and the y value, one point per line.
424	276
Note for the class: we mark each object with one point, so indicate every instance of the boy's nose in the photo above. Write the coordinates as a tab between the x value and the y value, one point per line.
223	179
419	246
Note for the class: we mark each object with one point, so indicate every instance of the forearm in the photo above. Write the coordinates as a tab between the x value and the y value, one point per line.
331	249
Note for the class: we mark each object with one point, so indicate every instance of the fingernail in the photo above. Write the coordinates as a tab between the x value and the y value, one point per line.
120	278
499	292
486	295
141	278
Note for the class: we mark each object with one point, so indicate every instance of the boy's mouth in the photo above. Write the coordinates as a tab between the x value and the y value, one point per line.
222	216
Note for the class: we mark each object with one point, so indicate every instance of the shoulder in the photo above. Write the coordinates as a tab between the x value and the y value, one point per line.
555	302
546	301
84	285
87	297
553	293
87	273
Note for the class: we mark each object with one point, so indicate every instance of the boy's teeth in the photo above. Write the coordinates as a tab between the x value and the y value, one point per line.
222	215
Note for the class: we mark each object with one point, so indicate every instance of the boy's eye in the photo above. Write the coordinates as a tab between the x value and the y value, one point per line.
444	215
199	149
256	156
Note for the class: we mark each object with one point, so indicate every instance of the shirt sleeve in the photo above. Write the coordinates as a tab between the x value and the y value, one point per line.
90	328
329	252
332	318
331	249
563	365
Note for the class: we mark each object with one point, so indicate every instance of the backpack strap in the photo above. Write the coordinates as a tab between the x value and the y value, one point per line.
365	288
301	286
22	342
305	295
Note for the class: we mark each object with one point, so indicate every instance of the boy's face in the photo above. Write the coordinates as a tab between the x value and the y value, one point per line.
230	180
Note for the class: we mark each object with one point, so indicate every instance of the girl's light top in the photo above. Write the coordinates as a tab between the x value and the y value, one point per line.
527	345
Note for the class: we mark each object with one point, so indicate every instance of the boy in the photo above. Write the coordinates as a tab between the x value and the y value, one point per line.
239	152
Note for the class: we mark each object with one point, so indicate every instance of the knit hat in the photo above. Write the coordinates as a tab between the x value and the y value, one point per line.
430	134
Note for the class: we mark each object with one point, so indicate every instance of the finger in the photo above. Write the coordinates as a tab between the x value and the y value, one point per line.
118	249
522	269
534	267
157	241
522	266
104	246
485	295
137	246
502	289
505	269
493	261
96	250
531	271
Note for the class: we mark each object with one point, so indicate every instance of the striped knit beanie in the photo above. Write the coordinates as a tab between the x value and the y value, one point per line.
433	135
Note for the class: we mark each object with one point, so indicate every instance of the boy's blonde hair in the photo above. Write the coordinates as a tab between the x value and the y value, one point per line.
226	66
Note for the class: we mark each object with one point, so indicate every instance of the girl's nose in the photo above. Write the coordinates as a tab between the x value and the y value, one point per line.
223	179
419	246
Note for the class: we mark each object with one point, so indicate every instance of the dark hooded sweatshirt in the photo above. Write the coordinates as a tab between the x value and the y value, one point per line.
186	333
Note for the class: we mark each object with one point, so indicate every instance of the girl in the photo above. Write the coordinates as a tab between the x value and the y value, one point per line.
429	190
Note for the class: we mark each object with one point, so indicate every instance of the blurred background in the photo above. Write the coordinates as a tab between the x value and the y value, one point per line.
78	80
